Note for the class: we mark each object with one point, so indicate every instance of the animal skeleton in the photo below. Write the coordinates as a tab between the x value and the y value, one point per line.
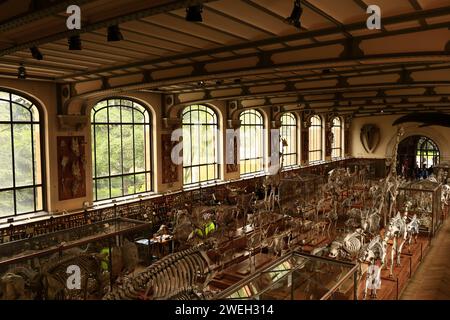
370	221
375	250
396	230
165	277
349	247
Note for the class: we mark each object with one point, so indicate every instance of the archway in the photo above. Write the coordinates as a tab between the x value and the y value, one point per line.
417	155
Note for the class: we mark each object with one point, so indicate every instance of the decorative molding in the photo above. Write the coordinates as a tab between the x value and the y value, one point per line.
72	122
370	137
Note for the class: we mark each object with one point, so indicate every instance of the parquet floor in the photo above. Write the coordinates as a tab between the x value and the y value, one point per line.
432	279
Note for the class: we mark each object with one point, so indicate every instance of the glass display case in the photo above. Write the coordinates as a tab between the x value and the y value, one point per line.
299	189
298	276
39	267
422	198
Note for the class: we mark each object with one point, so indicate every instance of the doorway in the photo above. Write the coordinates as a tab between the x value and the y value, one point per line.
417	156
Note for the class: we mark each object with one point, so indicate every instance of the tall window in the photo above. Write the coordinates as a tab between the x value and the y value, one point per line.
427	152
251	142
315	139
200	145
121	143
289	133
21	189
336	146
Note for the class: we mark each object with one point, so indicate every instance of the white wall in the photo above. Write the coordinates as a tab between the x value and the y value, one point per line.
440	135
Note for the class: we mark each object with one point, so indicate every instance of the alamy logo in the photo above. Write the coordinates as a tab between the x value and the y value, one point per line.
74	20
374	21
74	279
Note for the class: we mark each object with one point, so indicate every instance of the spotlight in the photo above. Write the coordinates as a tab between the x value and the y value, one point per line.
36	53
21	72
114	33
194	13
74	43
294	18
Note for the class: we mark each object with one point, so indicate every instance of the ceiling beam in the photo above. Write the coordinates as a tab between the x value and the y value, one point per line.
38	10
246	94
252	45
312	77
326	16
202	74
173	5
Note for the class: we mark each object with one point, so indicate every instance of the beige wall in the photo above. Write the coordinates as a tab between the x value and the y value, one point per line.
440	135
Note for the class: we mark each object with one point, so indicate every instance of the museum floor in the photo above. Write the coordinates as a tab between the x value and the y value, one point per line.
432	279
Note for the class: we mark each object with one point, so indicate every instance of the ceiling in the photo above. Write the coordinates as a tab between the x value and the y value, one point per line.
242	52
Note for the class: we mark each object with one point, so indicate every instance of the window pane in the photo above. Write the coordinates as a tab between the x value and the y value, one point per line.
101	151
116	187
21	101
35	114
5	112
187	161
20	113
140	183
128	185
6	203
195	174
6	168
25	200
115	149
138	117
101	116
187	175
23	155
114	114
37	154
127	149
211	171
139	148
102	186
203	173
127	115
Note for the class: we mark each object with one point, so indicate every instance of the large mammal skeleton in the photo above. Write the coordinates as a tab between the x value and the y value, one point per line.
165	277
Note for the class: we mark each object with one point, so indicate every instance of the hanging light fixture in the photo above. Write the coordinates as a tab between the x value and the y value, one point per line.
74	42
21	72
36	53
194	13
294	18
114	33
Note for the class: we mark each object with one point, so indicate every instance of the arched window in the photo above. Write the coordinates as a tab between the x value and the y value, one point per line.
336	130
427	152
315	139
251	142
21	188
121	146
289	133
200	145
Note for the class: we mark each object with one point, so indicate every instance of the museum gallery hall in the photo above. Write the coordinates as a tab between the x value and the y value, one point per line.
224	150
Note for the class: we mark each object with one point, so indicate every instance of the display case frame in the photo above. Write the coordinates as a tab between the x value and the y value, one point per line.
35	252
287	273
413	192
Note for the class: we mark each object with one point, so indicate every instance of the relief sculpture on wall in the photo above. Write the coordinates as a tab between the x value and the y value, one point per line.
169	169
71	167
370	137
